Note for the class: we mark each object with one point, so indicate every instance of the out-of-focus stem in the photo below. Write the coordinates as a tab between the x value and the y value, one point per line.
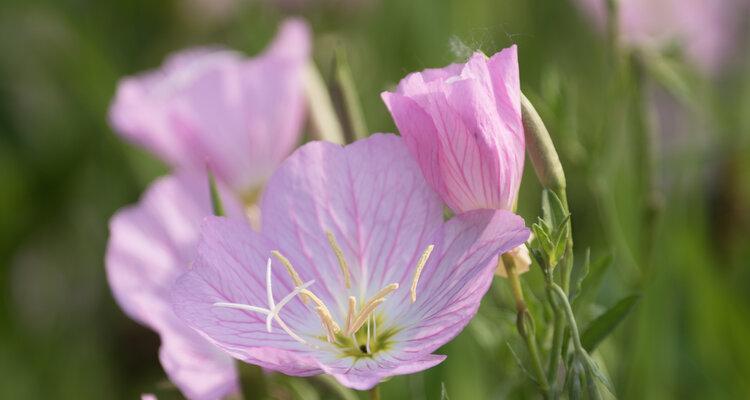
323	117
524	322
646	140
375	393
514	280
345	94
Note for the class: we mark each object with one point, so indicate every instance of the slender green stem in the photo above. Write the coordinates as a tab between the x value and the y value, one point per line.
563	298
646	141
524	322
558	326
375	393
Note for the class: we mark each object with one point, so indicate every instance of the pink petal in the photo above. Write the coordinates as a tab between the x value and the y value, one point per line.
212	106
455	278
463	126
231	267
370	195
149	246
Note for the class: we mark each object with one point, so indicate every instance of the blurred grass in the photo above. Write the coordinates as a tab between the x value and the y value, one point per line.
63	173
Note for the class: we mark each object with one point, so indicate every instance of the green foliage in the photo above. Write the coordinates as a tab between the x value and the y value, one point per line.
602	326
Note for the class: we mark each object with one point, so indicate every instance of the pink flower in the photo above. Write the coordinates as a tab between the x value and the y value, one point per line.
462	123
354	274
150	245
704	28
215	107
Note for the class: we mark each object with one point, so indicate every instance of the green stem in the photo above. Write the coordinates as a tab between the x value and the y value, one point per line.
568	310
524	322
558	328
375	393
646	141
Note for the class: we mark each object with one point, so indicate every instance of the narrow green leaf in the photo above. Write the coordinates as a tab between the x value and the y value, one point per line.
602	326
216	205
542	238
590	284
520	363
561	238
547	210
581	275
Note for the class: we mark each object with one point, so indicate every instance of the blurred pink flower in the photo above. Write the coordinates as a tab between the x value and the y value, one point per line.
705	29
332	283
215	107
462	123
150	245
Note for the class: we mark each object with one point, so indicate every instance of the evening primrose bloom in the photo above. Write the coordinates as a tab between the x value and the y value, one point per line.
354	273
215	108
462	124
150	246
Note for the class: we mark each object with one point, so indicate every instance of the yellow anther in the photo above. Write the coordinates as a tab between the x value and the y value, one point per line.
328	323
420	265
340	256
325	316
350	313
369	307
363	316
384	292
290	269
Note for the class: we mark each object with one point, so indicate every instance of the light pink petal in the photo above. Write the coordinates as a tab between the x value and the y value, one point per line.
197	367
214	107
368	373
455	279
150	245
370	195
231	267
463	126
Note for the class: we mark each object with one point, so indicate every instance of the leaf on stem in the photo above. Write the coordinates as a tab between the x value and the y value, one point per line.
602	326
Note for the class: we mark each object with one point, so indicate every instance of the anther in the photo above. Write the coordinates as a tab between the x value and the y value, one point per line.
363	315
325	316
420	265
328	323
350	312
369	307
340	256
290	269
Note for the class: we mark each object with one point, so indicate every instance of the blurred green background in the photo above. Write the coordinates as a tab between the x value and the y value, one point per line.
63	173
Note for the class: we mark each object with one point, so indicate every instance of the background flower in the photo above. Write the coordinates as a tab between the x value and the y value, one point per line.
705	29
150	245
213	107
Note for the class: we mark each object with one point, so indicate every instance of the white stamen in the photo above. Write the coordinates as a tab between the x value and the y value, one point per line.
277	309
269	292
269	289
374	326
